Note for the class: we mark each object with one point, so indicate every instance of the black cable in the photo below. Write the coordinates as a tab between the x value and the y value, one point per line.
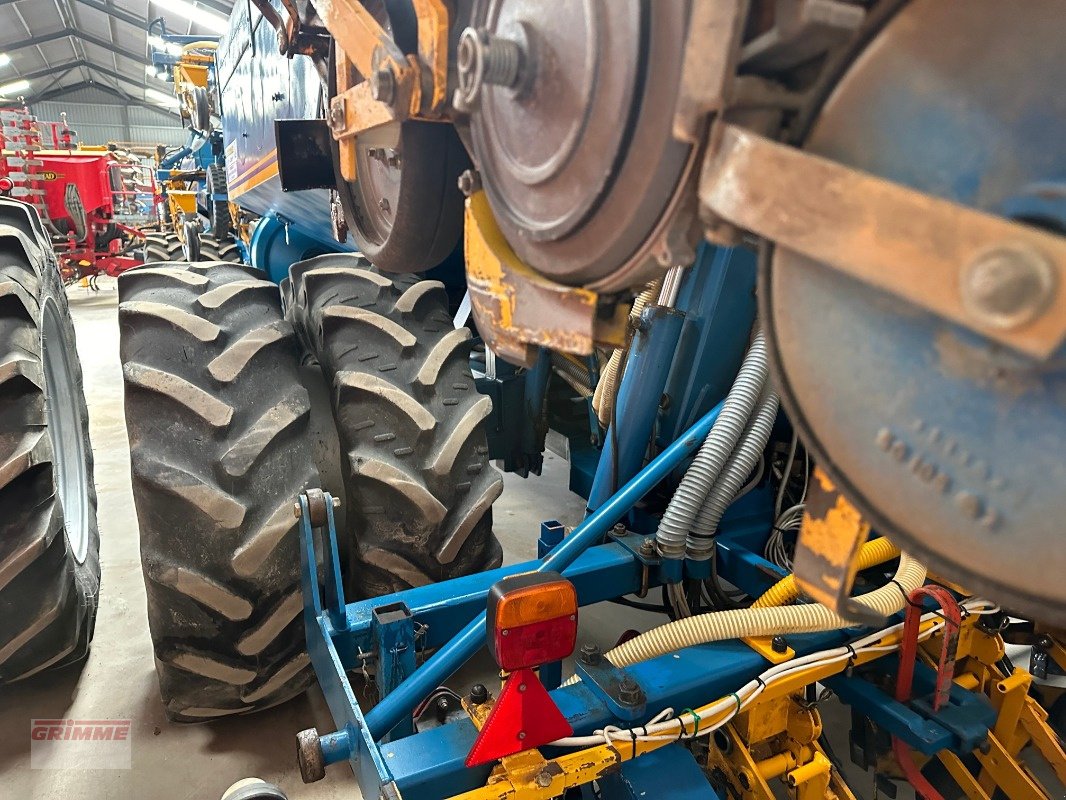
622	601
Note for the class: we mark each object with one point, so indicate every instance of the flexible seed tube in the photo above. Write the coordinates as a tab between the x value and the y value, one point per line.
607	386
773	621
672	536
874	552
734	473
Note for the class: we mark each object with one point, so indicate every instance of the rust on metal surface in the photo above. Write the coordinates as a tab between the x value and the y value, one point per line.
712	49
827	550
517	310
920	248
417	84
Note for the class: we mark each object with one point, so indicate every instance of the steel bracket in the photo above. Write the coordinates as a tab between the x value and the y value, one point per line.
996	277
618	689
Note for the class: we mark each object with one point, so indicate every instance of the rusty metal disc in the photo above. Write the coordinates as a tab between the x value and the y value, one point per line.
578	158
950	445
405	212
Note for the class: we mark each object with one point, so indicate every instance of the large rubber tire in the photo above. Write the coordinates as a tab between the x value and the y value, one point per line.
410	420
166	246
49	540
217	421
220	219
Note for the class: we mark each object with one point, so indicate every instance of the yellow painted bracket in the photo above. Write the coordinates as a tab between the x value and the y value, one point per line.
518	310
827	551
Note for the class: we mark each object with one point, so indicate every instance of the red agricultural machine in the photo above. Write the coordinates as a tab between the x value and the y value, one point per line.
93	200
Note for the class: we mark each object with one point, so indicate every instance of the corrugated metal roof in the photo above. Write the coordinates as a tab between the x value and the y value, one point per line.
61	45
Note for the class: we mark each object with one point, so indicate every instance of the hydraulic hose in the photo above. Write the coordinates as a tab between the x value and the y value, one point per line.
734	473
874	552
680	514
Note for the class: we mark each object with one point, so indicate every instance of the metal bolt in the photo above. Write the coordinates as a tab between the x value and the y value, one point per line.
443	706
336	115
629	691
383	85
591	654
486	59
647	547
336	502
479	694
296	510
383	204
521	735
543	779
469	182
617	530
1008	286
779	645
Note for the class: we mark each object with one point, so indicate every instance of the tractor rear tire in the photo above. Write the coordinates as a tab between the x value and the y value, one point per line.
49	540
218	429
410	420
166	246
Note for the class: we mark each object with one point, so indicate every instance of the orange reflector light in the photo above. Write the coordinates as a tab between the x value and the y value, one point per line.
531	620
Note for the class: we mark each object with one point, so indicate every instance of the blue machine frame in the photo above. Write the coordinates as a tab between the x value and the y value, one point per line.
604	563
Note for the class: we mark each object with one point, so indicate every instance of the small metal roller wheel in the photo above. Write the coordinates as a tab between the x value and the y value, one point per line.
253	789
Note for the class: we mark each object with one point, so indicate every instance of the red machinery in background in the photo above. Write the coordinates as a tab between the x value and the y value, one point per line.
94	200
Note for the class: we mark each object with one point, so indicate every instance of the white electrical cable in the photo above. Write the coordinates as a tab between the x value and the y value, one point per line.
689	726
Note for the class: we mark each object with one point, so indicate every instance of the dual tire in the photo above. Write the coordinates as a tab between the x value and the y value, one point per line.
207	349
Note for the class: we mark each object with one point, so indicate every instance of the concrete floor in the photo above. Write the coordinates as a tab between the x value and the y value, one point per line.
181	762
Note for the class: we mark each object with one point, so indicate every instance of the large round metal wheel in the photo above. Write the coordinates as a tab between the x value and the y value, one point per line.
405	212
577	153
204	348
948	444
49	540
410	420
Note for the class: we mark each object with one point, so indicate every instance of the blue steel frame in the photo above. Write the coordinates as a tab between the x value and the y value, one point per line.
388	762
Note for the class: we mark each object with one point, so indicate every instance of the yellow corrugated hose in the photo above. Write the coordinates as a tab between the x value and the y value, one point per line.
874	552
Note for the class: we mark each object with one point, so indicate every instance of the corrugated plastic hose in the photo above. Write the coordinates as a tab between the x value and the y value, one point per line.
874	552
734	473
607	386
680	514
772	621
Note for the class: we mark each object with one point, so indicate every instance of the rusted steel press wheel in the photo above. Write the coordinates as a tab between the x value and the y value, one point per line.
597	196
49	540
218	429
419	485
405	212
949	443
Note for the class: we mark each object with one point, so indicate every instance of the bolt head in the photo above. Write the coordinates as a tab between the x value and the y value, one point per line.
591	654
1008	286
478	693
296	510
469	182
383	85
543	779
647	547
778	644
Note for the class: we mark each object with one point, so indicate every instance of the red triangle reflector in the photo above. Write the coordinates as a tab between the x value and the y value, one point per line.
524	717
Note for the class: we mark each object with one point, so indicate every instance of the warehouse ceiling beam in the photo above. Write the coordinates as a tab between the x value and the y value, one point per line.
116	12
34	41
